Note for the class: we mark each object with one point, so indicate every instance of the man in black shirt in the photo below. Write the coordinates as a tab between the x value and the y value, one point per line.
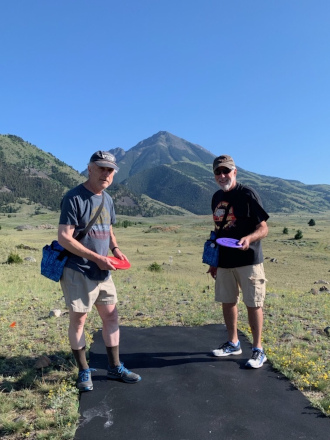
238	214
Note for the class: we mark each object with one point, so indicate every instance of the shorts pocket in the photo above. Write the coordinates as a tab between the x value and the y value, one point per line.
258	287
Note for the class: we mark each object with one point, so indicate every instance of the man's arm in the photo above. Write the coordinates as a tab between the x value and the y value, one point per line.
114	246
260	233
65	239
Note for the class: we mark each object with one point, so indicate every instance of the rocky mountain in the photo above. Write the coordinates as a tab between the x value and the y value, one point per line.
163	174
176	172
162	148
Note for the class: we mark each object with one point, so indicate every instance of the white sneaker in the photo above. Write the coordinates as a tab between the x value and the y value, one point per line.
257	359
227	349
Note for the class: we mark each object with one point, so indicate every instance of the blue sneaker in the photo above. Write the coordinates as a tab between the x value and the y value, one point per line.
257	359
227	349
123	374
84	381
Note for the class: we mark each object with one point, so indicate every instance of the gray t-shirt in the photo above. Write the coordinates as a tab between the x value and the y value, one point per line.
78	207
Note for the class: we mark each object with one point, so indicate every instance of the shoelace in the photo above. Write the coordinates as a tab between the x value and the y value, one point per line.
84	374
226	345
122	369
256	354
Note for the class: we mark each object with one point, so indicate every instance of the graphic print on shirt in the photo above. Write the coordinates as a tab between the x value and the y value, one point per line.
101	228
219	213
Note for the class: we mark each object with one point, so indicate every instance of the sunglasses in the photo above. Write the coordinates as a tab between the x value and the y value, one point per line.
219	171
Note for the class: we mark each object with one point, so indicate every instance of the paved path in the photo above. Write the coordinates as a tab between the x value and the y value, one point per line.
185	394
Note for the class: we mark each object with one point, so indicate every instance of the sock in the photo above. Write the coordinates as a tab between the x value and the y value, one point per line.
113	356
234	345
80	357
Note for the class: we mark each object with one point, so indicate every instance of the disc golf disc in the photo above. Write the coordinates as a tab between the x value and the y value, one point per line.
229	242
119	264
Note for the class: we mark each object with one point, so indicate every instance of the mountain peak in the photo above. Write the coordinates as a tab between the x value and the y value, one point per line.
162	148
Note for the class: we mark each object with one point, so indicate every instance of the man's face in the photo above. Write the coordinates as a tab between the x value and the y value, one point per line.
225	178
100	177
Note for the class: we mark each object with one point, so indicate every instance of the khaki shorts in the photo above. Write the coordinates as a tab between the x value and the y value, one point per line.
81	293
251	280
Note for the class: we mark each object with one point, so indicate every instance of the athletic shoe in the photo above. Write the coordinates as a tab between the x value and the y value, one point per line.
227	349
84	381
257	359
123	374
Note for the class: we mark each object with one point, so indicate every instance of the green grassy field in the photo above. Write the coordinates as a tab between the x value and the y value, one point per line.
42	403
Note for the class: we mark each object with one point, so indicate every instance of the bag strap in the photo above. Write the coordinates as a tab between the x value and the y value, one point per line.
81	234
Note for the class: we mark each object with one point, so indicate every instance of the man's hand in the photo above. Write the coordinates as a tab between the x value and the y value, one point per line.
104	263
118	254
213	271
260	232
245	242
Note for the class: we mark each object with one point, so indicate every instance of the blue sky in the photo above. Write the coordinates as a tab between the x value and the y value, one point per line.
249	78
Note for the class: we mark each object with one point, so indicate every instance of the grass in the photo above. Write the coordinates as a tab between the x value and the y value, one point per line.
42	403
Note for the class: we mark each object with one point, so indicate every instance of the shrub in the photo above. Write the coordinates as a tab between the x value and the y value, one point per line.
285	231
311	222
14	258
124	224
298	235
155	267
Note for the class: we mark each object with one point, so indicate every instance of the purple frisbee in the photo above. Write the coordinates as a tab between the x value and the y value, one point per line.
229	242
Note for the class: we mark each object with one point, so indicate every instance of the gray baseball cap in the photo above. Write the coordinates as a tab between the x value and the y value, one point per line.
104	159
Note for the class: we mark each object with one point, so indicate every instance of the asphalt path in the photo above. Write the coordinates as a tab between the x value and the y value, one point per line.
187	394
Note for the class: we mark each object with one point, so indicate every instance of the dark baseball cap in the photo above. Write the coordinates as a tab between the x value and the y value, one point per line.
224	161
104	159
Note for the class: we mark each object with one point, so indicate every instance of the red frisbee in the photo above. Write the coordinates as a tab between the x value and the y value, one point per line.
229	242
120	264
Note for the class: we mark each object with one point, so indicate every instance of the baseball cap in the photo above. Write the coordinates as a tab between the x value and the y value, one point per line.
224	161
104	159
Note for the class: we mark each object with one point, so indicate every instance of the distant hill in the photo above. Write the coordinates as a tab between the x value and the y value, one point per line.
161	175
30	176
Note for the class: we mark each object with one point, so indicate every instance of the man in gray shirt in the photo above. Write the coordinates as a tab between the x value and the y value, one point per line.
86	279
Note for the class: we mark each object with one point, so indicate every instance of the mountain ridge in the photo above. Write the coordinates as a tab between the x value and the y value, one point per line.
162	174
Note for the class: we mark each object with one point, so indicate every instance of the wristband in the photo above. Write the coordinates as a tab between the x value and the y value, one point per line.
116	247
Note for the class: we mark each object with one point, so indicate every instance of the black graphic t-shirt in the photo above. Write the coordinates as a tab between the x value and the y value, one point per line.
244	214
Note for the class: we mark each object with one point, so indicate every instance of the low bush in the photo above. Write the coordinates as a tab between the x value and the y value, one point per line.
14	259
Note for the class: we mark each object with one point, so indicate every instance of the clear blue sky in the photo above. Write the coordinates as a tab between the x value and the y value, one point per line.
249	78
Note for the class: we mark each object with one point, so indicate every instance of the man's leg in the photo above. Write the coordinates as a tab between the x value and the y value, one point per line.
77	338
255	315
226	292
76	330
230	316
253	283
254	290
232	346
258	357
110	332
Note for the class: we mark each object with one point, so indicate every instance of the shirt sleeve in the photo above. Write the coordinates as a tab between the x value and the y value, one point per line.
256	209
68	212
